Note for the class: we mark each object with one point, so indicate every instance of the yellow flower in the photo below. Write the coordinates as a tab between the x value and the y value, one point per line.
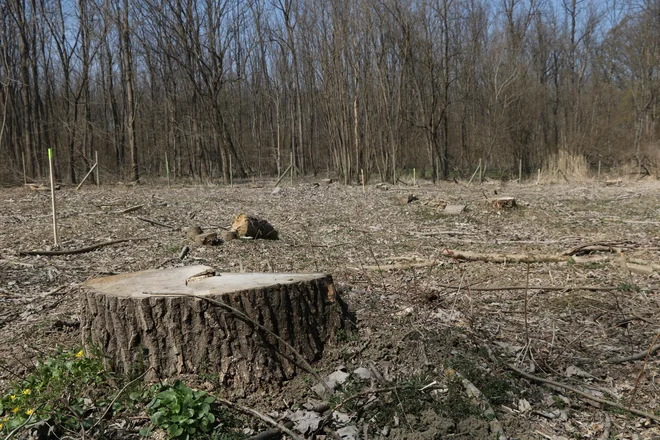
79	354
0	426
15	410
26	392
12	397
29	412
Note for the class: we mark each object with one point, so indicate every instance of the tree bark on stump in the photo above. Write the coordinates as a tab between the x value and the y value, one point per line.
149	320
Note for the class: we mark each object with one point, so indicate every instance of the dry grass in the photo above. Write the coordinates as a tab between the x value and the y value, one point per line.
565	165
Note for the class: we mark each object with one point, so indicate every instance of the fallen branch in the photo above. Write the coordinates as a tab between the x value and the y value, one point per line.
82	250
552	288
260	416
154	222
583	394
127	210
602	246
544	258
505	258
606	428
635	357
399	266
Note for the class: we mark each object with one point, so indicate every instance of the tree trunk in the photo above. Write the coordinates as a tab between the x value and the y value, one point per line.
130	102
149	319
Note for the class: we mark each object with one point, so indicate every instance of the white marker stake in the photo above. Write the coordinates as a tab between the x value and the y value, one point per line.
52	195
364	191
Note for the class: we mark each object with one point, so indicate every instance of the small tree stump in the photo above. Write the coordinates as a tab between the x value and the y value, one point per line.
253	227
148	319
503	203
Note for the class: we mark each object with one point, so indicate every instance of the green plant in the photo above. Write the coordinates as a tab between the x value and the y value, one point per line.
347	336
627	287
182	412
67	389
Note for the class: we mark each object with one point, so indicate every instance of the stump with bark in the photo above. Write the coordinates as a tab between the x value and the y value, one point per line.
158	320
253	227
503	203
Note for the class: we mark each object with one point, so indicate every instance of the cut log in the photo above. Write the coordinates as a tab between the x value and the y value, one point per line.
171	321
404	200
208	239
503	203
228	235
193	232
253	227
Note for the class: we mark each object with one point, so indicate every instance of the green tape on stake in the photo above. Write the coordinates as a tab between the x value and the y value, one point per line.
50	153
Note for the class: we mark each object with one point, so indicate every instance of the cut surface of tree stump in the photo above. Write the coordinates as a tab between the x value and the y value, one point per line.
253	227
150	320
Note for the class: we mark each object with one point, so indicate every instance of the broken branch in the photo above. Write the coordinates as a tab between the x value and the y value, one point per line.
583	394
82	250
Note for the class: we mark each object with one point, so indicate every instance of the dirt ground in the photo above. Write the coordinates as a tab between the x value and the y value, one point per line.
387	260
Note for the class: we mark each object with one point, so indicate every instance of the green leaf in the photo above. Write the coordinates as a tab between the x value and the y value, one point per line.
175	431
146	431
158	418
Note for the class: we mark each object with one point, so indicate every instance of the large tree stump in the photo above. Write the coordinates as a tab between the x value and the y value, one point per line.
149	320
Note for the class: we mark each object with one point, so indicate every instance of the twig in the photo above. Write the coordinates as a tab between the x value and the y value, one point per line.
366	393
641	371
637	356
18	428
303	362
127	210
154	222
260	416
105	413
267	435
606	428
81	250
583	394
526	321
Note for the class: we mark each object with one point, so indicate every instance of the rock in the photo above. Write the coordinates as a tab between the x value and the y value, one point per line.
305	422
277	191
336	378
453	209
363	373
348	432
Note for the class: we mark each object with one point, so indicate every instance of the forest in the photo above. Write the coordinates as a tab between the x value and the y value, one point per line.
246	87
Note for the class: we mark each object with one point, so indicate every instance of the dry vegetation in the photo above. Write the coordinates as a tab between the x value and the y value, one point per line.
387	258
